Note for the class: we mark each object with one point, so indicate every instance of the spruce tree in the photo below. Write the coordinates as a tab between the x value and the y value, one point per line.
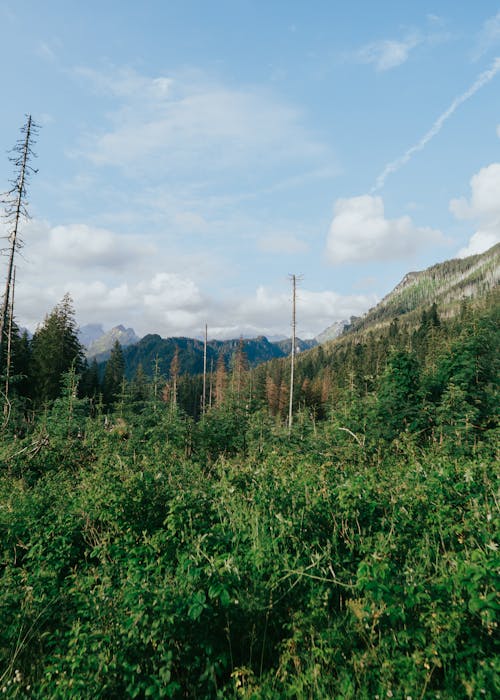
55	350
90	384
113	375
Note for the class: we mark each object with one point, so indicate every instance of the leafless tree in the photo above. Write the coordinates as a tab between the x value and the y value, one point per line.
15	204
294	279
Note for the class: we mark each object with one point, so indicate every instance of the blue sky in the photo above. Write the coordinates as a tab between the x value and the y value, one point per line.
193	154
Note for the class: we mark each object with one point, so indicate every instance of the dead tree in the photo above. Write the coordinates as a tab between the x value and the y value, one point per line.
15	209
8	360
204	396
294	279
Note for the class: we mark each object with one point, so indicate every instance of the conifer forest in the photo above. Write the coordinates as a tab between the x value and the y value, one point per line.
167	534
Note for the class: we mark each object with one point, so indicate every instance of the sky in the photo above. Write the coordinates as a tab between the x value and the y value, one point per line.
192	155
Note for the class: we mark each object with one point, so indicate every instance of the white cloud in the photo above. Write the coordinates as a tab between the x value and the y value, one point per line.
185	122
483	207
387	53
170	291
268	312
489	36
360	232
164	295
87	246
479	242
484	202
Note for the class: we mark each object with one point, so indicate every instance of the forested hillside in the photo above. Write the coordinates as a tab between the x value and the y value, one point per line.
445	284
158	543
153	350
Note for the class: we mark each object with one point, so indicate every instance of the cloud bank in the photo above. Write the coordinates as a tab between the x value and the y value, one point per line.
114	279
360	232
186	123
483	206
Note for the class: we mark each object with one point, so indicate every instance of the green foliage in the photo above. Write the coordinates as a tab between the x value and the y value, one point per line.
398	396
55	349
114	374
293	572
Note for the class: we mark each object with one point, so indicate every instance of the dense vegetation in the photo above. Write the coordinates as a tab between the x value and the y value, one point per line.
150	551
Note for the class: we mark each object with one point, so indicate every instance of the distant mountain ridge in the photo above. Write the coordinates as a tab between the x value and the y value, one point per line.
332	331
154	348
89	333
445	284
101	342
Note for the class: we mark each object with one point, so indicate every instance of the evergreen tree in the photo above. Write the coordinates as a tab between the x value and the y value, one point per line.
114	374
398	395
20	367
139	389
55	350
90	384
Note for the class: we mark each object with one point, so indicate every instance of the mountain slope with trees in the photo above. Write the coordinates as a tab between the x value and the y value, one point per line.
445	284
153	348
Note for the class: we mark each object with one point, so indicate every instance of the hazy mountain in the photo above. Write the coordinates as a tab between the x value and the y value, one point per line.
89	333
101	346
332	331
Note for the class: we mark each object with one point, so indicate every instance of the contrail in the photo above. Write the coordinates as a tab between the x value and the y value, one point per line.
395	165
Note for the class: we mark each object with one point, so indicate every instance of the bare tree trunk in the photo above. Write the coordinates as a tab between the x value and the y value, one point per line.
9	346
203	398
210	387
15	210
292	362
174	373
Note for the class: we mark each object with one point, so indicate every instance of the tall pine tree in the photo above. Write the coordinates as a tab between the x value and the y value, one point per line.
113	374
55	350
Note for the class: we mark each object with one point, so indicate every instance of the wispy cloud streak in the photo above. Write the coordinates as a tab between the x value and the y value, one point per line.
483	79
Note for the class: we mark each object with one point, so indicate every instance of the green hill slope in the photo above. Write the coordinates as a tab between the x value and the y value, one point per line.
153	347
445	284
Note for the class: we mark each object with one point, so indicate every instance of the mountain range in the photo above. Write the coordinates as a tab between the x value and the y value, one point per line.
445	284
98	342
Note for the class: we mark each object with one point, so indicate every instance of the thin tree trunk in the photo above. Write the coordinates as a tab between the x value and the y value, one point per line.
292	362
17	211
203	398
9	347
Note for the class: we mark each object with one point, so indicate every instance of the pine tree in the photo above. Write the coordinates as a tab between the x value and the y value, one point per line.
114	373
55	350
90	384
398	395
139	387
